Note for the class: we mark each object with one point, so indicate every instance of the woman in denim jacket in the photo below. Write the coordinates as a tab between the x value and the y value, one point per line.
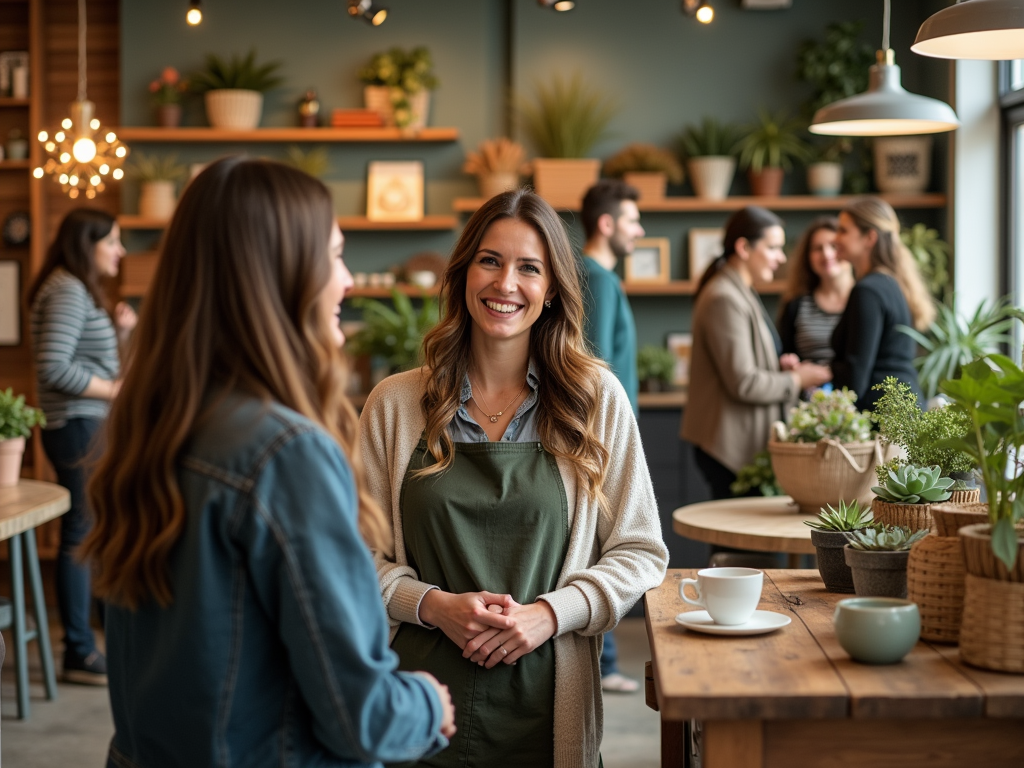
246	626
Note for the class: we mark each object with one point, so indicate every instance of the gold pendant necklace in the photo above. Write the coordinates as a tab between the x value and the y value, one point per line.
494	416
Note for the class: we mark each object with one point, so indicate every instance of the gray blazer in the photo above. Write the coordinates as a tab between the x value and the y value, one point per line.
736	387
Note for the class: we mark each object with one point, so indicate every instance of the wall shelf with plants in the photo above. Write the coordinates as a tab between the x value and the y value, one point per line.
129	221
274	135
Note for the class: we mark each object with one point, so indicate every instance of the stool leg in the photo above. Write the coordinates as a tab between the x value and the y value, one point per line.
39	606
20	639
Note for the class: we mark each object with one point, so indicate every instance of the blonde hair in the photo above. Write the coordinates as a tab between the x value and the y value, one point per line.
802	279
569	386
235	306
889	255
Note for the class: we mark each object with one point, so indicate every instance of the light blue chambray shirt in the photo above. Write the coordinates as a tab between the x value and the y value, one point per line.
522	429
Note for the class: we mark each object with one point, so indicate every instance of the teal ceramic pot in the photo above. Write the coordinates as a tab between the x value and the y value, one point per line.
877	630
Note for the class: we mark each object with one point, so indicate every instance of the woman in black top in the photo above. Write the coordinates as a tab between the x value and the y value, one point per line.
889	292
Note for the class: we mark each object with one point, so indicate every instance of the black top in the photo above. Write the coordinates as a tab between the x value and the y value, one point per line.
867	344
806	329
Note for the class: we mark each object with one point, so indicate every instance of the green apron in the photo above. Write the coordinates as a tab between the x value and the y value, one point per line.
497	520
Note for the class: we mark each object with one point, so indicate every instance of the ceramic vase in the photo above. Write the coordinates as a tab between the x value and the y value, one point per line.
234	108
168	115
157	200
825	179
711	176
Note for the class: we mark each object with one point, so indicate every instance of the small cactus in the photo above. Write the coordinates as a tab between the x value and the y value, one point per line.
849	517
914	485
893	538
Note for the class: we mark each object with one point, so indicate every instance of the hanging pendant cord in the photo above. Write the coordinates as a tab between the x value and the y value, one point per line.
81	50
885	27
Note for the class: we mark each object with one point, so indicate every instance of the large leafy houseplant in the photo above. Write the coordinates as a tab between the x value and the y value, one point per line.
393	333
567	118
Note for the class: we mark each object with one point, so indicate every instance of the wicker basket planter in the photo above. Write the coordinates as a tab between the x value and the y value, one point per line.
992	633
831	560
979	560
935	581
878	574
966	496
916	517
949	518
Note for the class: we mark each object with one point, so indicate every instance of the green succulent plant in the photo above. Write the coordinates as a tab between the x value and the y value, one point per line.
16	418
914	485
849	517
893	538
709	138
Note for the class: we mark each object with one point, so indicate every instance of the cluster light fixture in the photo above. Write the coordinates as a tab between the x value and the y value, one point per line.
372	13
195	14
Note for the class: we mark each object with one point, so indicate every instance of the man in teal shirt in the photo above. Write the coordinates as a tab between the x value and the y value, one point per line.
611	223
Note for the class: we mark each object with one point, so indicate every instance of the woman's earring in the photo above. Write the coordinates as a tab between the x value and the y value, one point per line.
547	303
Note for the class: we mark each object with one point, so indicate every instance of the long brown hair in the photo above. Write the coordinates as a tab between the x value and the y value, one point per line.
73	248
569	375
234	307
802	279
891	256
749	223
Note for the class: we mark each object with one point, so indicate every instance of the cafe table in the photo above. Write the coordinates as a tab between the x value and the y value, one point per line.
760	523
24	506
794	697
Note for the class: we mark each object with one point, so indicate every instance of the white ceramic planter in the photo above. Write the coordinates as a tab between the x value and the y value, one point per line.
825	179
903	164
234	108
378	99
11	451
711	176
157	200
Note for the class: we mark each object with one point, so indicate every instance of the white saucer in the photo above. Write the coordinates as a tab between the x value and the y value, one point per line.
760	623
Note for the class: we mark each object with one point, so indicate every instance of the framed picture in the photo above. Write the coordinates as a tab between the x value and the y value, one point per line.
10	306
680	345
394	191
649	262
705	247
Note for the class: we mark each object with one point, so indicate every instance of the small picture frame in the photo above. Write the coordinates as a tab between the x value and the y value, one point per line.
705	246
681	346
394	191
649	262
10	306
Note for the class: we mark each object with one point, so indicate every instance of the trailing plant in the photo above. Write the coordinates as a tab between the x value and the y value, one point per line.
16	418
169	87
914	485
954	340
396	332
773	142
709	138
315	162
500	155
156	168
644	158
849	517
892	538
931	253
240	72
567	117
991	391
759	475
829	415
654	362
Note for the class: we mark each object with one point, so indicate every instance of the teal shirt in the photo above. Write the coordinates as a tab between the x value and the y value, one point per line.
609	324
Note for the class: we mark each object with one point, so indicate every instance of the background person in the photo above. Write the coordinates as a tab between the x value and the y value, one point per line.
495	464
75	332
245	624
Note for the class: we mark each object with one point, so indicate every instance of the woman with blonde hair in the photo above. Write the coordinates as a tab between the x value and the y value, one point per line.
245	624
889	292
524	519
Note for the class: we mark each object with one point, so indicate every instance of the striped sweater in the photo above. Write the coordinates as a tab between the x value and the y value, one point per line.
72	341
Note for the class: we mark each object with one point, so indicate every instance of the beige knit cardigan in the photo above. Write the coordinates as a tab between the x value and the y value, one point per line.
613	557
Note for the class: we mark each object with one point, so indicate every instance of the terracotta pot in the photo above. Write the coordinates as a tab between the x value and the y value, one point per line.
563	181
878	574
234	108
168	115
767	182
651	186
830	546
11	451
492	184
711	176
378	99
157	200
825	179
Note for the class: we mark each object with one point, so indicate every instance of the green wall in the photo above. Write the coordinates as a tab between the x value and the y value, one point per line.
663	69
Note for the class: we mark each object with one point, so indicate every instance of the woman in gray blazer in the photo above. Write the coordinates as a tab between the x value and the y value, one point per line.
738	383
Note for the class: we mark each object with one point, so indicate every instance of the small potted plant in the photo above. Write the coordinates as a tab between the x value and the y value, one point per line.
233	90
564	123
878	559
654	368
645	167
392	335
907	493
828	535
167	91
157	176
496	164
397	86
709	150
768	151
16	422
825	173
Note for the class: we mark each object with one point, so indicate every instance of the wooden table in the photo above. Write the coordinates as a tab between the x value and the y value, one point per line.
23	507
763	524
795	698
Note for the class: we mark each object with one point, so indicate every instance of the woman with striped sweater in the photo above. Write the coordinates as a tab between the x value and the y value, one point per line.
75	351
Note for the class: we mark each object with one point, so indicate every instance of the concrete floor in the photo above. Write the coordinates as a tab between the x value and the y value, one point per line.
75	729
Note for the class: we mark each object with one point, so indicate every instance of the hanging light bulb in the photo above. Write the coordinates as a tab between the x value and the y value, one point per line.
977	29
705	14
195	15
79	153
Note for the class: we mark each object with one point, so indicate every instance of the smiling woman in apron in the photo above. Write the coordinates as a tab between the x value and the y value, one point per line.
524	518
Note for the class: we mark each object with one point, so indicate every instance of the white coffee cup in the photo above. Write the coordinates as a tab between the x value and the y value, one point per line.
729	595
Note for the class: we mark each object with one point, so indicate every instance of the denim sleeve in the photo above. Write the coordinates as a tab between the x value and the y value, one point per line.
315	577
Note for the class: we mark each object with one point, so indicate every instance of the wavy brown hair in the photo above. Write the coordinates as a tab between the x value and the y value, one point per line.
891	256
569	377
802	279
234	308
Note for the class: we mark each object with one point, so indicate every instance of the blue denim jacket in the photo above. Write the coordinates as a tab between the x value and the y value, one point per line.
274	651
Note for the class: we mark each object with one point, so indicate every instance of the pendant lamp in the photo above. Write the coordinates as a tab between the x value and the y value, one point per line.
974	29
82	154
886	108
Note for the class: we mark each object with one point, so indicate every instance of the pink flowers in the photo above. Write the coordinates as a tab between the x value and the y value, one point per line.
169	87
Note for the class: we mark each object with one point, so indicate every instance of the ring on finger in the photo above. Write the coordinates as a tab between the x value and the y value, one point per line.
504	652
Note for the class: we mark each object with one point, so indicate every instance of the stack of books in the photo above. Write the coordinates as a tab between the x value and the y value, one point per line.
356	118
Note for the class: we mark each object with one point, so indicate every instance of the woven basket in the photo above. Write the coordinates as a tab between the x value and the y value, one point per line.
935	581
967	496
949	518
916	517
980	560
992	634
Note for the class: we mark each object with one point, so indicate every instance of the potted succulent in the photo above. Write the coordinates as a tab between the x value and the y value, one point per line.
496	164
828	535
654	368
768	151
645	167
825	173
931	253
157	176
16	422
167	91
907	493
827	453
564	123
397	86
392	335
233	90
709	150
878	559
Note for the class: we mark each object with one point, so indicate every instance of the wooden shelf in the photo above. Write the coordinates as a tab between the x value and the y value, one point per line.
688	288
15	165
414	291
7	101
662	400
352	223
171	135
686	204
134	221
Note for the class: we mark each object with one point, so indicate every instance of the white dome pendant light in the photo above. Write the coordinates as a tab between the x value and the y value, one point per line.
974	29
